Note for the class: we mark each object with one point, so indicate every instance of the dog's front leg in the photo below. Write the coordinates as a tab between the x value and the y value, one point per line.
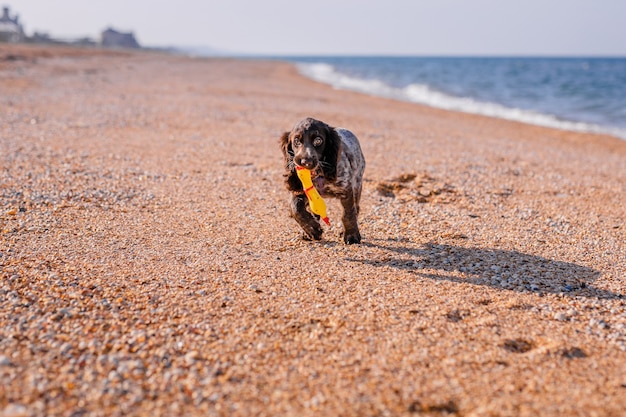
351	232
310	225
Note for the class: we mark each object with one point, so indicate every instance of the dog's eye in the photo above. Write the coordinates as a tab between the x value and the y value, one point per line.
318	141
297	142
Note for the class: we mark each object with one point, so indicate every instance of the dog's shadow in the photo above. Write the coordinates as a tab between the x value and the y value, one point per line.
508	270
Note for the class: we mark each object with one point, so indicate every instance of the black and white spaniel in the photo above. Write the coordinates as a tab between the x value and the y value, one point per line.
336	162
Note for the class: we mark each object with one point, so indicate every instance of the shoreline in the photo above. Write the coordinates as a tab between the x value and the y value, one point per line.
323	70
149	265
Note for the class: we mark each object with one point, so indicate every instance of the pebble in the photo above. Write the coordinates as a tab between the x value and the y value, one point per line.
599	323
191	357
4	361
14	410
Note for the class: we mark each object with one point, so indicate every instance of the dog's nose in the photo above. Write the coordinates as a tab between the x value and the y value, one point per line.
308	163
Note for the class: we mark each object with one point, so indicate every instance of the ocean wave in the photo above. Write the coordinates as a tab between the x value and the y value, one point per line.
424	94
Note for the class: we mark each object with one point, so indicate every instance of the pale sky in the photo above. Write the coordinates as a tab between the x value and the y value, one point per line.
346	27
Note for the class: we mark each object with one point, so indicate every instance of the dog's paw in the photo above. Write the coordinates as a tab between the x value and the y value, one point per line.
350	238
312	234
307	237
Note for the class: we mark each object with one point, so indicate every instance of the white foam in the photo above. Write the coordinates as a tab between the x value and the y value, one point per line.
423	94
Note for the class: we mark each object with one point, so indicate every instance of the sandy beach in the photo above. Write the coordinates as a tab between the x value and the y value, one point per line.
149	265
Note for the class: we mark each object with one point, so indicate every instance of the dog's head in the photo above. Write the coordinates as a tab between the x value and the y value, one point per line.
314	145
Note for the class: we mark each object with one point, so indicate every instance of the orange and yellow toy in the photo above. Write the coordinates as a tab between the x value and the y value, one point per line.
317	204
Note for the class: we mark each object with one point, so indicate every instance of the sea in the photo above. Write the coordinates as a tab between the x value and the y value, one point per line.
578	94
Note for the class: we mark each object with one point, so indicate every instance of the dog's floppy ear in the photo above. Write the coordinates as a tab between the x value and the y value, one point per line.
331	153
285	146
291	178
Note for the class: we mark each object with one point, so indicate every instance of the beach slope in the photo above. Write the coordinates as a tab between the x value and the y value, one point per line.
148	264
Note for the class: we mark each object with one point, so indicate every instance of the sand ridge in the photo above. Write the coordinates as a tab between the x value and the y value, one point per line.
149	265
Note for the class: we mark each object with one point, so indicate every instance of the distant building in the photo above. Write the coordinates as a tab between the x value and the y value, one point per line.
114	39
10	28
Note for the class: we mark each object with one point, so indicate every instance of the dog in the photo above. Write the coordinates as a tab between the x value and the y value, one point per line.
334	157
